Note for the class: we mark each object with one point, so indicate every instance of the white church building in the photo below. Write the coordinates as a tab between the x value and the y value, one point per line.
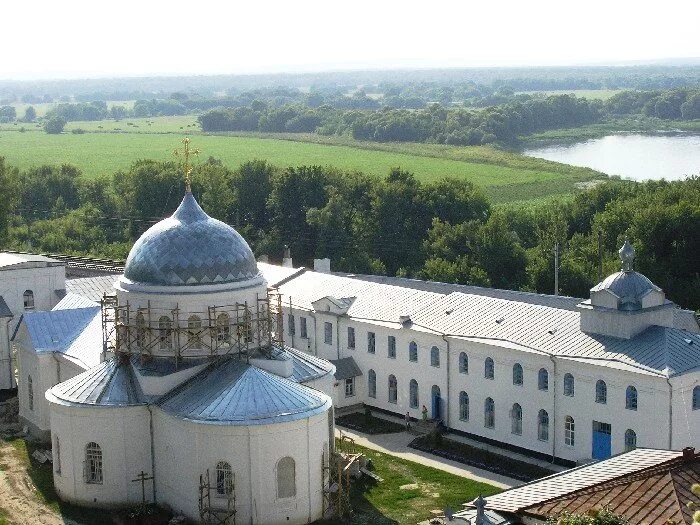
212	378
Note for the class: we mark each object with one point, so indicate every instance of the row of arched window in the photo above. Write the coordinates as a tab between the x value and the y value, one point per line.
392	392
221	332
413	354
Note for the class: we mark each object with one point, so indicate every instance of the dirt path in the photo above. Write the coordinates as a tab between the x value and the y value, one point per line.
18	497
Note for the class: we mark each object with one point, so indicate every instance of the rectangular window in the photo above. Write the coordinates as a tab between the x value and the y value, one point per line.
291	326
328	333
392	347
350	387
371	346
351	337
302	327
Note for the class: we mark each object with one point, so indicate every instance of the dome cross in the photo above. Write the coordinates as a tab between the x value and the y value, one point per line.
185	153
627	256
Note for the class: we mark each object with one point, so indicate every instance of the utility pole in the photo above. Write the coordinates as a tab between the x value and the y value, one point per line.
600	254
556	269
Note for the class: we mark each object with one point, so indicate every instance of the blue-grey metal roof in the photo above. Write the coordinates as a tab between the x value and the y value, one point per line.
190	248
111	383
17	260
305	367
346	368
629	286
4	309
659	350
92	288
75	332
73	300
231	392
163	366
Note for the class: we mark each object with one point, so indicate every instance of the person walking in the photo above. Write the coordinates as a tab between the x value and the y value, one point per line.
425	413
407	418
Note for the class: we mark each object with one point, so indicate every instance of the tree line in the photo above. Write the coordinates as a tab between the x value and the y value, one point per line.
445	230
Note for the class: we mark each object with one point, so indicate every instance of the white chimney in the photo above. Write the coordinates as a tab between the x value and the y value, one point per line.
287	259
322	265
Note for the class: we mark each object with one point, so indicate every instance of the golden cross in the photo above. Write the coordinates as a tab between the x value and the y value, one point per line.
186	154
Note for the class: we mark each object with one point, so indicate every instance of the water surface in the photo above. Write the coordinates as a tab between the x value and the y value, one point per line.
632	156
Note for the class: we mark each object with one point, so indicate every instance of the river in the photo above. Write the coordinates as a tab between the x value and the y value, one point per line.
631	156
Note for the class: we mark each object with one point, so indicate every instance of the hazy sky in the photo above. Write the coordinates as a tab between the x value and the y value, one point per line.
47	39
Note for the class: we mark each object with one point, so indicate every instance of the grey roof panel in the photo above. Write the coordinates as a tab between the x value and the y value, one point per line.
346	368
92	288
12	261
4	309
568	481
307	367
73	300
231	392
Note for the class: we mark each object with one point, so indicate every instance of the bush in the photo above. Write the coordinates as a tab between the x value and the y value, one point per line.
54	125
77	131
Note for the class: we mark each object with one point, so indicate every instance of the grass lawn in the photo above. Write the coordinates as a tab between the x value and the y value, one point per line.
368	423
505	176
387	503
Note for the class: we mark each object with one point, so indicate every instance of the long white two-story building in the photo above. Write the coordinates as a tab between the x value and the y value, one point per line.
556	377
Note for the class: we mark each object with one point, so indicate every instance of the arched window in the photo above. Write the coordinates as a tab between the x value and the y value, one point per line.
140	330
463	363
543	379
30	393
413	393
28	300
393	389
194	329
630	440
543	425
413	351
463	406
93	463
631	398
569	431
435	356
489	413
165	332
517	374
516	419
224	479
601	392
372	383
568	385
696	398
223	329
56	453
286	478
488	368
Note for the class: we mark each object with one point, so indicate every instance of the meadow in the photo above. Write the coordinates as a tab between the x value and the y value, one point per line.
108	146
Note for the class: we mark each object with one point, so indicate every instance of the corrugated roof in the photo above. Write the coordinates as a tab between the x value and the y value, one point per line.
307	367
554	301
658	494
110	383
381	302
92	288
74	300
75	332
275	274
4	309
660	350
346	368
12	261
231	392
569	481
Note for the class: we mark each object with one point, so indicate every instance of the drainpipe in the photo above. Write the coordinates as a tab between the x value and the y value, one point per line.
670	414
447	399
313	316
337	335
554	407
153	456
9	351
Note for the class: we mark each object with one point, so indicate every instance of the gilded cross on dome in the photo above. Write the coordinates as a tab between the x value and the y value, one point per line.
186	152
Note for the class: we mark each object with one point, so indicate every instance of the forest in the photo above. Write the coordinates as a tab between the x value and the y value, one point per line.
445	230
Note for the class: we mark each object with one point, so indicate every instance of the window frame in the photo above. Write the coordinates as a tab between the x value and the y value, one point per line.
489	413
413	394
94	464
631	398
393	389
569	392
543	425
413	352
630	444
328	332
696	398
543	380
601	392
349	387
569	431
371	343
518	375
435	357
303	333
351	337
28	300
278	471
463	363
516	419
224	480
291	324
391	347
489	369
372	384
463	406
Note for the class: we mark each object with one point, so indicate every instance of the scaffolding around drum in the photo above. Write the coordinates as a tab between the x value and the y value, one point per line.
241	329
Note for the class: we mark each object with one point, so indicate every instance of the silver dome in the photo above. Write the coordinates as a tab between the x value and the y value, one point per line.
190	248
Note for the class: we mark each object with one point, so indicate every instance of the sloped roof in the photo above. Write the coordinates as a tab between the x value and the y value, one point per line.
75	332
656	494
73	300
577	479
15	261
380	302
4	309
231	392
659	350
307	367
92	288
275	274
111	383
346	368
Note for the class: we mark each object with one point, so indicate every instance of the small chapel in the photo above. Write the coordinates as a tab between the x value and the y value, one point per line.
197	403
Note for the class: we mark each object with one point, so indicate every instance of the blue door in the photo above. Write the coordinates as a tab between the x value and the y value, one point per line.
437	402
601	440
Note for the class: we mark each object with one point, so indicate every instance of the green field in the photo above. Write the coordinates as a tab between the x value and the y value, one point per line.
109	146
